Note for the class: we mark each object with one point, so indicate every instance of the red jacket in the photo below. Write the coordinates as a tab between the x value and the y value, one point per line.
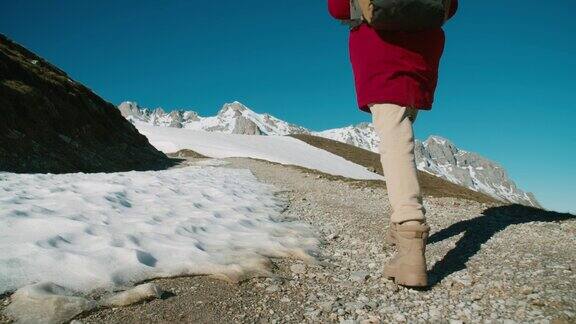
393	67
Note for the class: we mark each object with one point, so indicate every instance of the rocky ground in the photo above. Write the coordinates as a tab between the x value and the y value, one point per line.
489	264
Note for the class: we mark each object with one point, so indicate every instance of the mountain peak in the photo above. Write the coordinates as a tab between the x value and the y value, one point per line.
233	109
131	110
129	105
438	139
159	111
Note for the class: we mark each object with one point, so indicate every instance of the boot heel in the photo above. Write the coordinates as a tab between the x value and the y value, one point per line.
411	280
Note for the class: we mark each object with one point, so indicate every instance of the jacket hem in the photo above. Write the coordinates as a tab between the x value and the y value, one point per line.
363	106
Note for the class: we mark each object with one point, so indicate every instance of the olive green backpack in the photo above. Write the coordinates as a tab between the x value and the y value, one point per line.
400	15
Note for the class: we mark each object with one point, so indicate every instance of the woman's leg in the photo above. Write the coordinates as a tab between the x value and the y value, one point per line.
393	124
409	231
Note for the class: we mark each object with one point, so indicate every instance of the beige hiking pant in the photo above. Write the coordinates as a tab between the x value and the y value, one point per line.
393	124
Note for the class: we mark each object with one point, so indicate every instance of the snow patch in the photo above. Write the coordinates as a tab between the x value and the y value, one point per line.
49	303
108	231
132	296
280	149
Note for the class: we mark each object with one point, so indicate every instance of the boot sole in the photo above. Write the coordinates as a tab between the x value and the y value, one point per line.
408	279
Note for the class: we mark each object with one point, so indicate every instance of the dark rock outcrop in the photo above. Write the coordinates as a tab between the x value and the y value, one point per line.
52	124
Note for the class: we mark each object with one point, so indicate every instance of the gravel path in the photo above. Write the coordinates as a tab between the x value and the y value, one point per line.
489	263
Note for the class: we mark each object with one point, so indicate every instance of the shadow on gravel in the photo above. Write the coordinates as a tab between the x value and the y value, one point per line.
479	230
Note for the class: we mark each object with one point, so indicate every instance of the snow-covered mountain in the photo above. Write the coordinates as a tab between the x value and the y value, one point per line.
361	135
440	157
436	155
234	118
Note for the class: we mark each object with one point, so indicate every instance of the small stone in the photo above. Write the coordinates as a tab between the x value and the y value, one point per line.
272	289
371	320
359	276
353	306
476	295
314	313
363	299
527	290
399	317
532	296
434	313
464	280
298	268
537	302
476	307
285	300
326	307
332	237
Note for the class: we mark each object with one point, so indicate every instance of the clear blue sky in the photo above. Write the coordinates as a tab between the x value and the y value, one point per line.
507	86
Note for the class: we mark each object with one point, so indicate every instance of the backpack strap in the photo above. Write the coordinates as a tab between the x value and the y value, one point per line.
356	18
355	11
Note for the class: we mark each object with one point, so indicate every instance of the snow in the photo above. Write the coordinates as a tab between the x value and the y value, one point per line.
49	303
108	231
280	149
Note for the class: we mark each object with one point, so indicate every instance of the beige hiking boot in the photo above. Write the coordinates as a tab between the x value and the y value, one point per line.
408	267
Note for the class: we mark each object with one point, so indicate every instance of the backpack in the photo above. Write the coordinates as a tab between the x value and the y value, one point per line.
400	15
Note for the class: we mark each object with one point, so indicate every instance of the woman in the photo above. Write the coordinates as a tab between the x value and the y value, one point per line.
395	75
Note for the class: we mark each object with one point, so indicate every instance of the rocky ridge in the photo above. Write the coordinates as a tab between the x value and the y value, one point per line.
53	124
